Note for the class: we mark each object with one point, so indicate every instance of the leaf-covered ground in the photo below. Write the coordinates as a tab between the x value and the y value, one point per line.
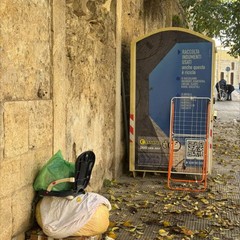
144	208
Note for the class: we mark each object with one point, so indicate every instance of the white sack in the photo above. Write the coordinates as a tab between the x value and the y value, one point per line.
62	217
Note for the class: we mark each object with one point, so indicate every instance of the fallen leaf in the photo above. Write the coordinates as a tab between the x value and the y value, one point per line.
112	224
127	224
202	234
133	229
112	235
205	201
166	223
163	233
115	228
187	232
115	206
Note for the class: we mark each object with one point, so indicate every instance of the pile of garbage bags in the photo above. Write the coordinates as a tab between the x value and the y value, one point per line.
87	214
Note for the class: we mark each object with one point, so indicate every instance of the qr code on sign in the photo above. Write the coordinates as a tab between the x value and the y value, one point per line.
194	149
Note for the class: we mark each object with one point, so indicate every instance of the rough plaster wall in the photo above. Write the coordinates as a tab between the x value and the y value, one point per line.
91	74
25	107
158	14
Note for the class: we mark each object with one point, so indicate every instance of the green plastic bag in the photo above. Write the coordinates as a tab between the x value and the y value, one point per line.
56	168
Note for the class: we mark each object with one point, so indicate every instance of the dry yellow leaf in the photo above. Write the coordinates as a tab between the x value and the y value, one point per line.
112	224
112	198
115	206
202	234
199	213
127	224
114	229
187	232
162	233
133	229
205	201
112	235
166	224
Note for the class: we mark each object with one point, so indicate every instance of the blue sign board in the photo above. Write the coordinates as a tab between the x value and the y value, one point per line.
184	72
172	62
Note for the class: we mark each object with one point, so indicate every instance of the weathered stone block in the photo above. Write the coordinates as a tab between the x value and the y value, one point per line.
20	236
5	218
41	156
16	128
27	125
27	173
31	163
40	123
21	209
1	132
9	177
24	49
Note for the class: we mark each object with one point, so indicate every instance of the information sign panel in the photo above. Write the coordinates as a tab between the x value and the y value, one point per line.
172	62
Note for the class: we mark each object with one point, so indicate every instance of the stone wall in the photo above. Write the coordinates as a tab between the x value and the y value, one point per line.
91	54
60	88
26	117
